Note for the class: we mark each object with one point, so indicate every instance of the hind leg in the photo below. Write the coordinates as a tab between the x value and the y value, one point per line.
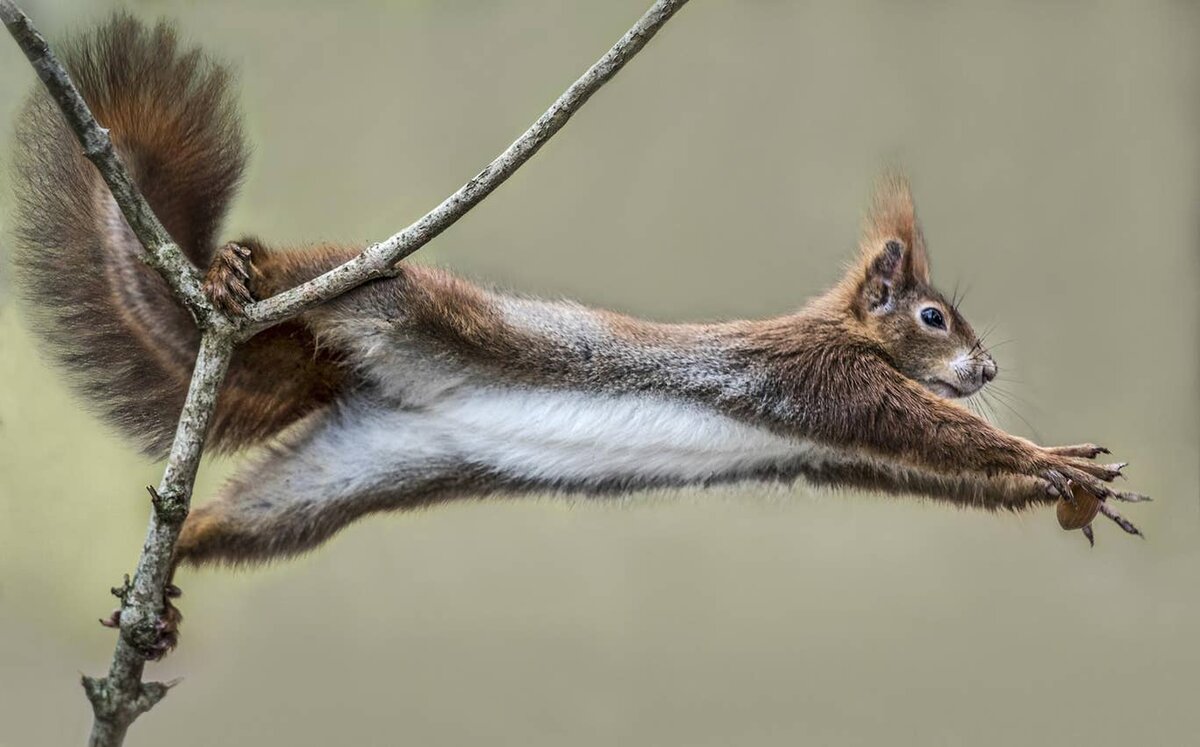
346	461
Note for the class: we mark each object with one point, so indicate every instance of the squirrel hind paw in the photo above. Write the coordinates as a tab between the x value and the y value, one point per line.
167	627
162	635
229	278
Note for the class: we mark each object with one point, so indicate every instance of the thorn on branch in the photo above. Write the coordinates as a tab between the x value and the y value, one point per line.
96	689
110	707
152	692
122	592
169	509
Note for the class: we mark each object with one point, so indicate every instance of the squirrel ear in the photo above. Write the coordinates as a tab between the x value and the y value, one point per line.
893	217
885	275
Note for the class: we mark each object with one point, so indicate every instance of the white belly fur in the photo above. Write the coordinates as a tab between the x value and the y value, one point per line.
552	438
569	437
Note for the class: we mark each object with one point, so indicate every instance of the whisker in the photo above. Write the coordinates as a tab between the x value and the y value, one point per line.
973	405
962	297
978	407
1011	380
981	339
1008	375
992	414
1008	399
1014	411
992	417
1011	395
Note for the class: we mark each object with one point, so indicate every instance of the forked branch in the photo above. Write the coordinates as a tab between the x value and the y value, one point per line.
118	699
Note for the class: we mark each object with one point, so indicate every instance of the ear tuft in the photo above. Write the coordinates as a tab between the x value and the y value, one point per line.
892	217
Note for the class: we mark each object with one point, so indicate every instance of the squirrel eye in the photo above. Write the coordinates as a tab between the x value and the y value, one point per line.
933	317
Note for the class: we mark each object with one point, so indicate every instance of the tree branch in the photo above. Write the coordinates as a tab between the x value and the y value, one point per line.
377	260
118	699
121	697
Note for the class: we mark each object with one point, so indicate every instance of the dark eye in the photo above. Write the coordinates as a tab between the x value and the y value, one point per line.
933	317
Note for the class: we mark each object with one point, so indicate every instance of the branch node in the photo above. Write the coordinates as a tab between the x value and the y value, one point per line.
98	145
111	707
170	509
122	592
96	689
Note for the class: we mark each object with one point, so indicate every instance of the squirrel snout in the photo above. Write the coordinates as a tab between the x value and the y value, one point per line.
989	370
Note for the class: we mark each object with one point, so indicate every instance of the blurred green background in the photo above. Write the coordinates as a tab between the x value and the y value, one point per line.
1055	151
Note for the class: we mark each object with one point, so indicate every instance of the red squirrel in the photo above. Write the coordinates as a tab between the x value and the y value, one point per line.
424	387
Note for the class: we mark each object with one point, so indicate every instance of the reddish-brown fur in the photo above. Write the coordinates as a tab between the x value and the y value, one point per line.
852	369
110	319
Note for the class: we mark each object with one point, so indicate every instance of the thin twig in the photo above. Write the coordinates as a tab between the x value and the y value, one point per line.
121	697
377	260
118	699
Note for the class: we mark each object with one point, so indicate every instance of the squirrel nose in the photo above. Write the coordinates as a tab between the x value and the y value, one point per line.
989	370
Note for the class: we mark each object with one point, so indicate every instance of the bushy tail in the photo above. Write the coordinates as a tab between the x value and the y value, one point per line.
110	320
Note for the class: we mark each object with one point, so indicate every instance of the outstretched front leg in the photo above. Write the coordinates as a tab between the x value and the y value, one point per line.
994	492
936	436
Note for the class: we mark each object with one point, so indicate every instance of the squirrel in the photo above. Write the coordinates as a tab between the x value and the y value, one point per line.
424	387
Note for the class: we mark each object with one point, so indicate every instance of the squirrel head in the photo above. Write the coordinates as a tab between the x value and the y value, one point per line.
891	295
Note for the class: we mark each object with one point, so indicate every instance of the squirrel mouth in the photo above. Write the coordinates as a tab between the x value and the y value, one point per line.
946	389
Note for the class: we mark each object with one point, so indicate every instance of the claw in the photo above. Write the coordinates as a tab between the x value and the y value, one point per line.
165	627
1048	487
1094	486
1120	520
1087	532
1085	451
1086	481
1059	482
1114	470
227	280
1121	495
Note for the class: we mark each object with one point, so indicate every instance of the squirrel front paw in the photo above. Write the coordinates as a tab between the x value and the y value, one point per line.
1080	486
227	282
